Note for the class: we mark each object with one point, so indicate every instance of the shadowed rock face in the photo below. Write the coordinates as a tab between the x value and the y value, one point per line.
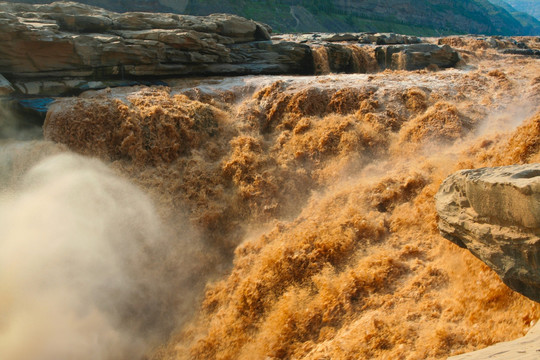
495	213
5	86
417	56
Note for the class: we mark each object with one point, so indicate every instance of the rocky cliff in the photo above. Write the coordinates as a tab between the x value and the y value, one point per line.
73	39
58	48
495	213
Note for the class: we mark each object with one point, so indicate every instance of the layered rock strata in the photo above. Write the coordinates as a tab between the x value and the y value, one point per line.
414	57
50	49
495	213
69	39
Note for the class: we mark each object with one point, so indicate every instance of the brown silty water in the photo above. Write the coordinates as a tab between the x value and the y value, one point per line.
312	201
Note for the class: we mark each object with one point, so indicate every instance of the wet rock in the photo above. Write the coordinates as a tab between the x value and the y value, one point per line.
362	38
416	56
495	213
340	37
50	49
5	86
523	52
273	57
339	58
38	87
36	108
393	39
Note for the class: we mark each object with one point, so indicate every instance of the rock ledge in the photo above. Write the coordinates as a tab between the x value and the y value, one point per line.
51	49
495	213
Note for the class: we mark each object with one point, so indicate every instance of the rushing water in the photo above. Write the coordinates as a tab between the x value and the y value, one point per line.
261	218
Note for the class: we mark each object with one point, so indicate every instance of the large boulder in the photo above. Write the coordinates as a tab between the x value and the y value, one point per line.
66	39
495	213
416	56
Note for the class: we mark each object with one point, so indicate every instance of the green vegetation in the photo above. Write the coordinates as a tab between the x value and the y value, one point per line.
359	24
449	17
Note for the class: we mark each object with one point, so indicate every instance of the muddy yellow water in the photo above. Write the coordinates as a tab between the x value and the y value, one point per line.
312	203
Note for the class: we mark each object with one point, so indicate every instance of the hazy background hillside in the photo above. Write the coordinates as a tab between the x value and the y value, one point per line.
416	17
526	12
531	7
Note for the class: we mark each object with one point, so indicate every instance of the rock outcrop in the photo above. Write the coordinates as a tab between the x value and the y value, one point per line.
70	39
360	38
414	57
495	213
57	48
525	348
524	52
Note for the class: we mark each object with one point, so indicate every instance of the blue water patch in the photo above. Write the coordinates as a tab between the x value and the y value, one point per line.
39	105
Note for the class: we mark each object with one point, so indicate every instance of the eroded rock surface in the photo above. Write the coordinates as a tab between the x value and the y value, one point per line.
70	39
495	213
45	49
417	56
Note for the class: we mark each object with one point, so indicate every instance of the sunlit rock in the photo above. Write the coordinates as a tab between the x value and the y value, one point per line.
66	41
75	40
495	213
